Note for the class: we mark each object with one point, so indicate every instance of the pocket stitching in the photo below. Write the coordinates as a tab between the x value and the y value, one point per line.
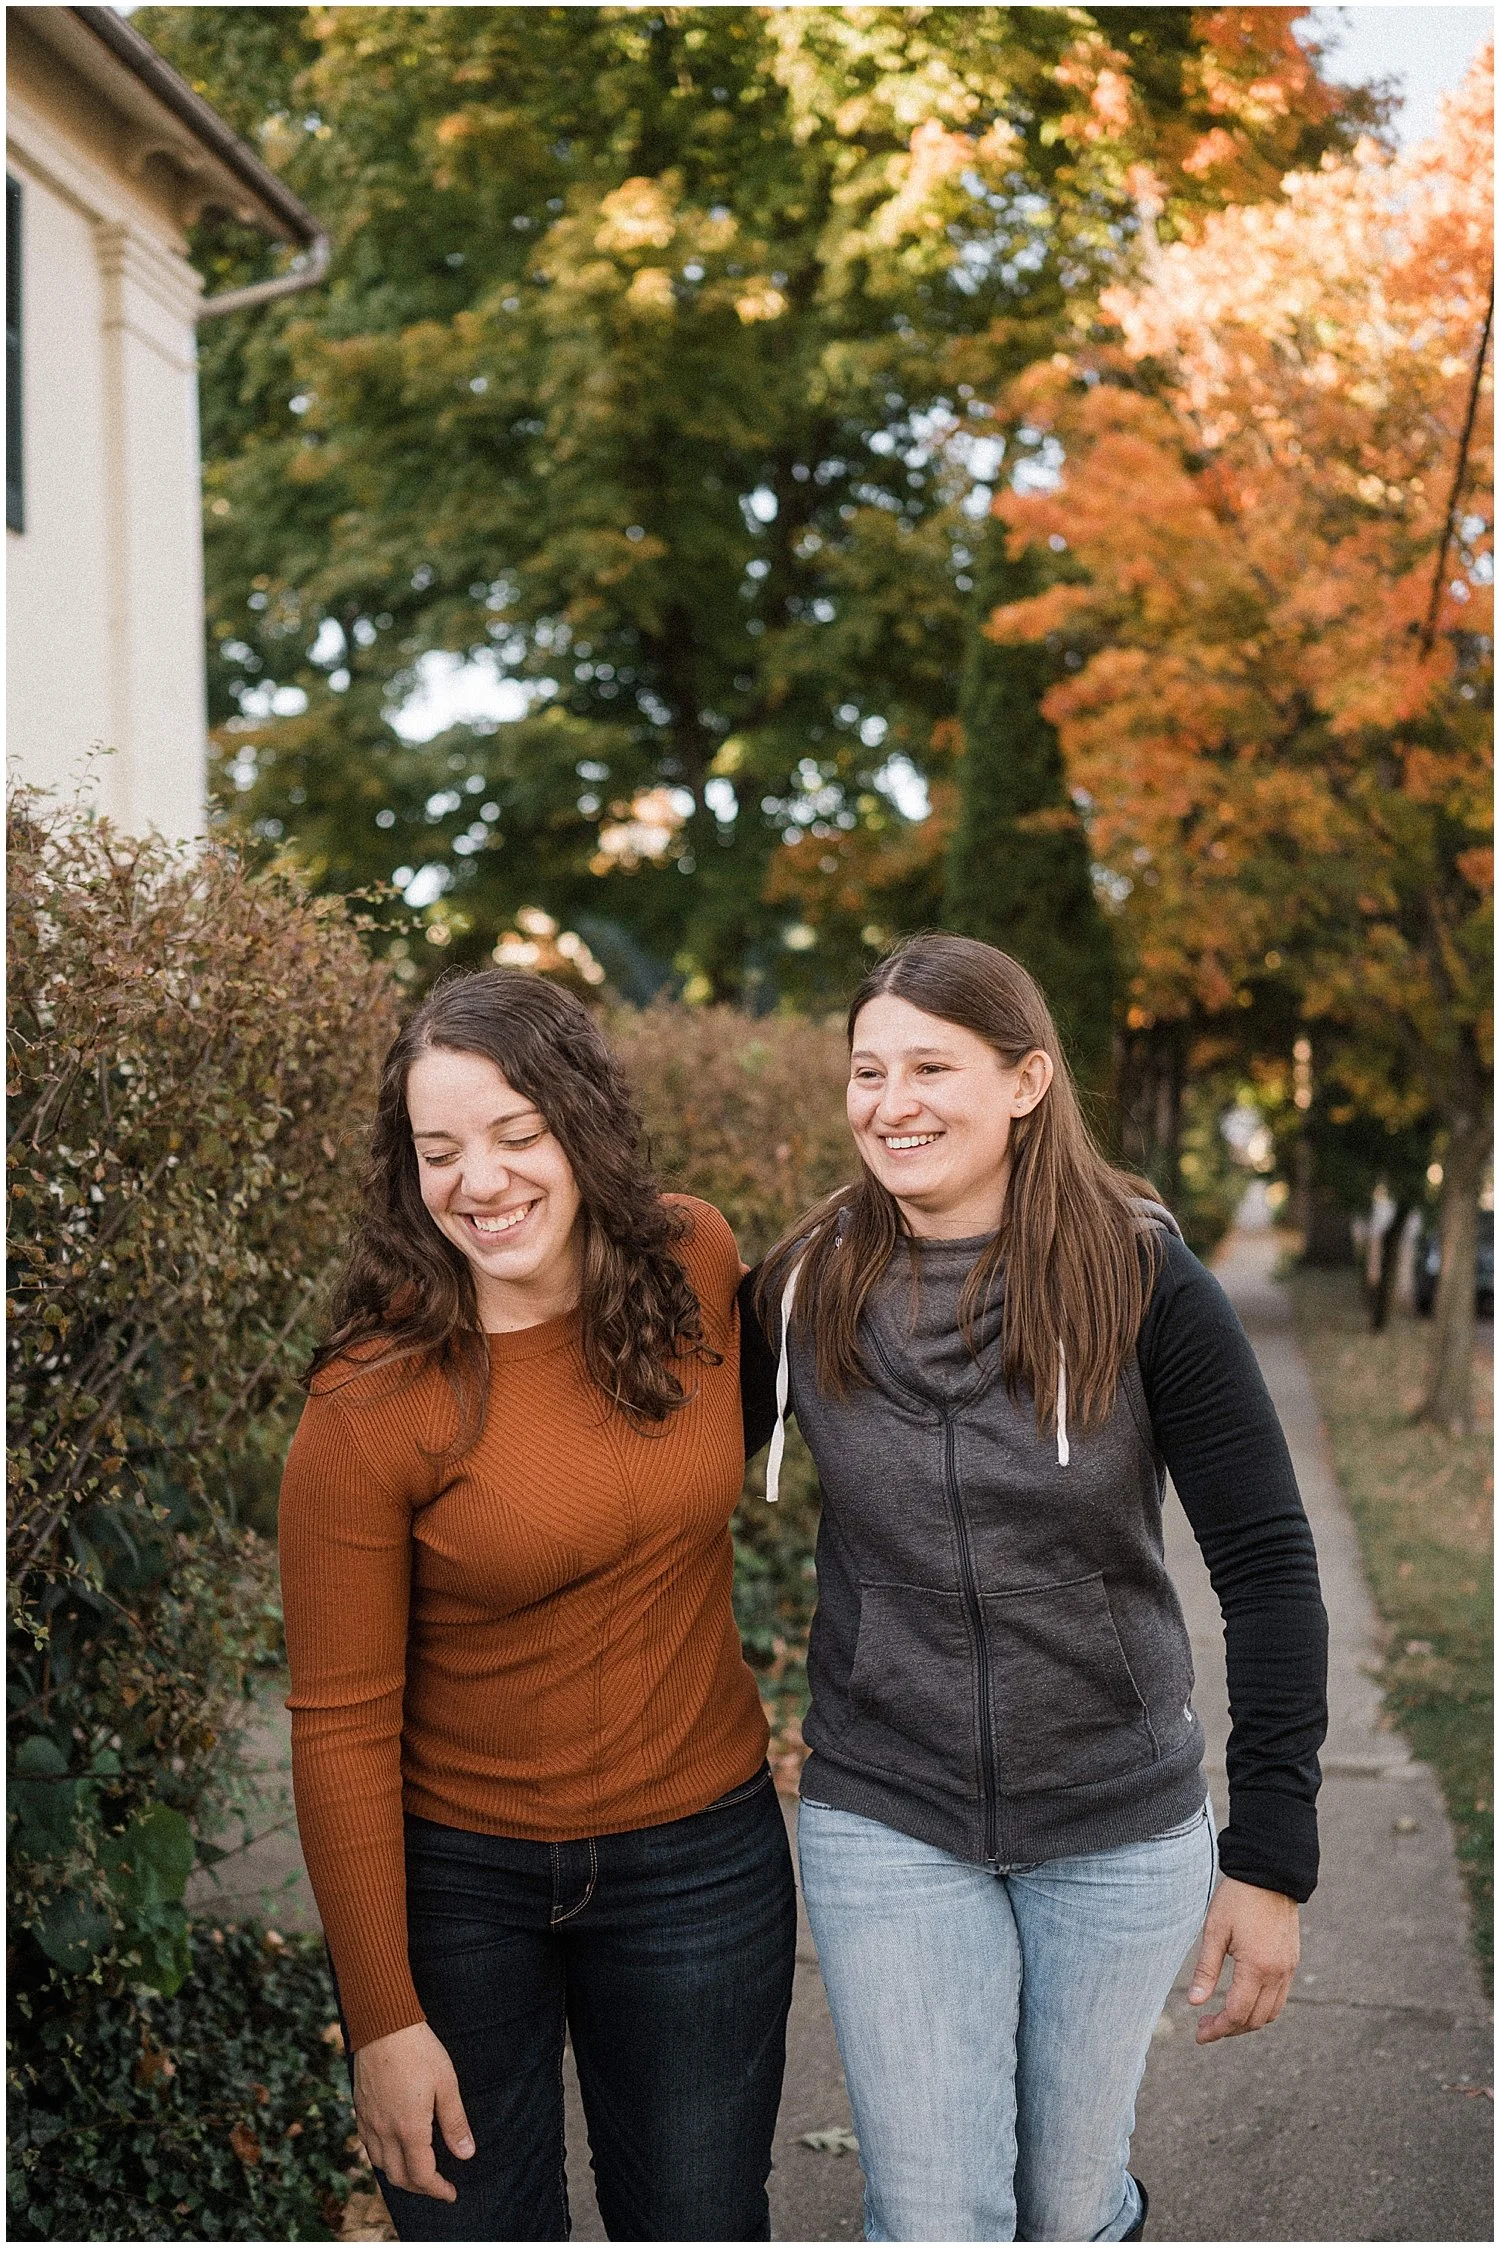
1126	1720
742	1793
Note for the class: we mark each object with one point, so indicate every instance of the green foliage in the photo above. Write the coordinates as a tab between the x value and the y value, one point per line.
1018	871
220	2113
1210	1184
188	1049
146	1866
775	1589
647	377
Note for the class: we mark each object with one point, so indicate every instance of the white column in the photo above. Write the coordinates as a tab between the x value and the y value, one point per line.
157	694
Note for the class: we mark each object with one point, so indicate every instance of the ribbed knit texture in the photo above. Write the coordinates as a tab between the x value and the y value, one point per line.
536	1641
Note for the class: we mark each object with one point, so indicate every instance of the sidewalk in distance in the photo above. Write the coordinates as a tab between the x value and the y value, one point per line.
1422	1503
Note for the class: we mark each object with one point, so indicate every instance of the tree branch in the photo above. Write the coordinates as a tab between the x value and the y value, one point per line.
1429	626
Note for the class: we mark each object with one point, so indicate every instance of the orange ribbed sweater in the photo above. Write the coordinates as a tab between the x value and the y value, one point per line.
535	1642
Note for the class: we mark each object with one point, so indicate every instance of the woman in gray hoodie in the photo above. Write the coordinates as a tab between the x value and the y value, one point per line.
996	1345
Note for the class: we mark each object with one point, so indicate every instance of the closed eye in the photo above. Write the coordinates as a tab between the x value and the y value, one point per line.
506	1147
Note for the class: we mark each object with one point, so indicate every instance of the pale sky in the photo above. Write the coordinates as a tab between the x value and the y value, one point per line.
1426	49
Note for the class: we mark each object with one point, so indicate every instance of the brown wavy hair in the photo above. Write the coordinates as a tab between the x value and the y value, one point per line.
407	1293
1075	1251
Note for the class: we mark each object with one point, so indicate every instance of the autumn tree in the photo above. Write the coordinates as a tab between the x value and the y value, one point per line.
1179	110
648	381
1276	514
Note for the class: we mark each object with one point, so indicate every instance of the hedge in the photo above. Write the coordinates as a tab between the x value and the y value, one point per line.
189	1049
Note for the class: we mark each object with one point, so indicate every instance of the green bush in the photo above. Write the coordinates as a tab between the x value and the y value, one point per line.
219	2114
746	1111
187	1049
1211	1184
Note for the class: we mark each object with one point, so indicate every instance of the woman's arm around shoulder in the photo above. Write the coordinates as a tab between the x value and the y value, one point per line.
724	1290
709	1255
757	1371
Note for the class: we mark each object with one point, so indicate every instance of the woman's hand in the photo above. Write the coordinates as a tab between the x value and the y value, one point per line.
1258	1929
400	2083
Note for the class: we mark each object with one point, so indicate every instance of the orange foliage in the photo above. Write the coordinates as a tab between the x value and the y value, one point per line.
1256	493
1245	69
853	871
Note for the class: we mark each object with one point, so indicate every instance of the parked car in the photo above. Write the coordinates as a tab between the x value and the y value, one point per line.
1429	1264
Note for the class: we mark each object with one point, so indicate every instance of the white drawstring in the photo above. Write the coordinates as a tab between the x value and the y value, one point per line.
783	1391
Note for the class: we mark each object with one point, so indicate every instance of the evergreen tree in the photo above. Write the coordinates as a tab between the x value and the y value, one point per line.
1018	867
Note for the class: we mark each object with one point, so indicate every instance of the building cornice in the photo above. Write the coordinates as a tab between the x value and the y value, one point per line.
168	120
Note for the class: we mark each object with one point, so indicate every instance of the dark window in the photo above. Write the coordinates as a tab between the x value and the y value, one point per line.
15	489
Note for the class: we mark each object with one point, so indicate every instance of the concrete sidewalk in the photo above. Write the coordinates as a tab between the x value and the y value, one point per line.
1358	2116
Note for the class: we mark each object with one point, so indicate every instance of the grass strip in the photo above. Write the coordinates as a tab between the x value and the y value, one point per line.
1422	1507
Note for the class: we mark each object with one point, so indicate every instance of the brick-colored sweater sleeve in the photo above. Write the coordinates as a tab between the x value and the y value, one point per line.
345	1542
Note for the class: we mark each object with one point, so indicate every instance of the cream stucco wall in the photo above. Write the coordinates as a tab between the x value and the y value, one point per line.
104	635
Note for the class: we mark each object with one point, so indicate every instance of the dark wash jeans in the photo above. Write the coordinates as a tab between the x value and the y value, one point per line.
668	1953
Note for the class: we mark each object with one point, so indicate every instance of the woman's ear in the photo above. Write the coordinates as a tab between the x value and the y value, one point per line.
1032	1080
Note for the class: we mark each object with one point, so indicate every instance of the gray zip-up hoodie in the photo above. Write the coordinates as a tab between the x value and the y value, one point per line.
999	1663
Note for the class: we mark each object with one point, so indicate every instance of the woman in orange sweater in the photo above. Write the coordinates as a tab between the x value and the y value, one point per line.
528	1756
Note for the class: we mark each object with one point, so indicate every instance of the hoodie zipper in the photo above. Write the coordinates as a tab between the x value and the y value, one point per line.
981	1640
975	1609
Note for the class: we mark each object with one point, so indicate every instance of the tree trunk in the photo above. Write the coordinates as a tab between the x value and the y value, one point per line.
1450	1386
1385	1277
1318	1214
1148	1092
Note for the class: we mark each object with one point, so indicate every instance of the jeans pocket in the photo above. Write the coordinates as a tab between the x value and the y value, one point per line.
740	1794
1068	1711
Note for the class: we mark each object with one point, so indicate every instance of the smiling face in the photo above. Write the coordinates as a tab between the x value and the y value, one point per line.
497	1183
931	1107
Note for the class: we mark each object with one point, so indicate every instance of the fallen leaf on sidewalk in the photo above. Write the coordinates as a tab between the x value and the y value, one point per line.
1471	2091
837	2139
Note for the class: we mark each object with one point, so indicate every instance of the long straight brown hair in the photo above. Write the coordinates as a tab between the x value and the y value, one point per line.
1075	1253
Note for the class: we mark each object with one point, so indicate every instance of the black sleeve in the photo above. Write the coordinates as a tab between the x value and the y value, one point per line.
757	1372
1217	1430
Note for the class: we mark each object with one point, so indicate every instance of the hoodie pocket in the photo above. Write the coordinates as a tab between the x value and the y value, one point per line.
911	1689
1067	1710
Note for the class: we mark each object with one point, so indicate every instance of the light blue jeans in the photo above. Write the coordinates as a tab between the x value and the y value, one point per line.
994	2025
